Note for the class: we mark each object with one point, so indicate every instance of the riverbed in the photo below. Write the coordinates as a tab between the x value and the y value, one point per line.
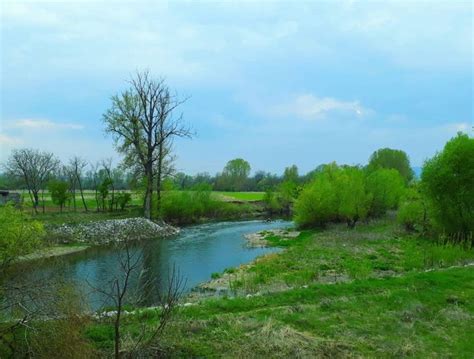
196	253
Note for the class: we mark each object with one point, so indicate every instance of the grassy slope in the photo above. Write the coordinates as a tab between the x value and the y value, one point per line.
336	293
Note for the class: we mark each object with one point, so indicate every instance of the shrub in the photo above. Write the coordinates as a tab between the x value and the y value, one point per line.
190	206
448	182
123	199
336	193
386	187
18	234
59	192
412	211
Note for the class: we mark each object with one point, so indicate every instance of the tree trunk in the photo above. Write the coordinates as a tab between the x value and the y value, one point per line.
158	177
82	194
147	206
35	201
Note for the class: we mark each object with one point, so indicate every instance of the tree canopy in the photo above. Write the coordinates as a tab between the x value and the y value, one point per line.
390	158
448	182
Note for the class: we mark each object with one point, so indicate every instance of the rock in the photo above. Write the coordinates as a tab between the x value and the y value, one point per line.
113	230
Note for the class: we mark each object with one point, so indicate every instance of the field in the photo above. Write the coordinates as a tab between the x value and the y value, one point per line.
242	196
91	202
371	292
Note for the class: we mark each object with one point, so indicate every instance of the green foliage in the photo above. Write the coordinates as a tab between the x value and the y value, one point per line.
104	190
336	193
353	196
59	192
386	187
19	235
183	207
271	203
123	199
317	203
448	182
234	175
389	158
412	212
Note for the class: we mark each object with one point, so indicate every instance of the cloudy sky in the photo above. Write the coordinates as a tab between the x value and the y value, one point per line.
276	83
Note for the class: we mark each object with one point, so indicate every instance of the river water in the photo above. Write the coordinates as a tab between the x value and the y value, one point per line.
196	253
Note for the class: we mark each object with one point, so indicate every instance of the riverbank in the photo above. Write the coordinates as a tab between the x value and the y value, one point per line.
372	291
112	231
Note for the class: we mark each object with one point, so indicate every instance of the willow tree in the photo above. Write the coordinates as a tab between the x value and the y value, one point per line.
141	121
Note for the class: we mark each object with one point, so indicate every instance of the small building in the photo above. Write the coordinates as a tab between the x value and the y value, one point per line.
7	196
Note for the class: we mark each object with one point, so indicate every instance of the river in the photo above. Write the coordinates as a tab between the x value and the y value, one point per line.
197	252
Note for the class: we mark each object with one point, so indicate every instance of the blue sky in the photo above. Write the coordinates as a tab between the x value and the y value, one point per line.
276	83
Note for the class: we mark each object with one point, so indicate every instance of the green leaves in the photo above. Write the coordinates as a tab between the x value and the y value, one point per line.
19	235
448	183
336	194
389	158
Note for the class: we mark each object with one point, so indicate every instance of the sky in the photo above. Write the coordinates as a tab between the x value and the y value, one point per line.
275	83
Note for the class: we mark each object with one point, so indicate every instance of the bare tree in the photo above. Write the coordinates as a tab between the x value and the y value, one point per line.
123	290
77	166
34	168
141	120
94	175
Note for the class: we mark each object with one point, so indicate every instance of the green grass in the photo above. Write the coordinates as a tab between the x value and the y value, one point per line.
420	315
243	196
370	292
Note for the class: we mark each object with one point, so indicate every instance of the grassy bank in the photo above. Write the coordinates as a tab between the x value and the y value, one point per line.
371	292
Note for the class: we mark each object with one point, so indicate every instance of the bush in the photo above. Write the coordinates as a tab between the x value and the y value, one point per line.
183	207
123	199
336	194
412	211
386	187
59	192
448	182
19	235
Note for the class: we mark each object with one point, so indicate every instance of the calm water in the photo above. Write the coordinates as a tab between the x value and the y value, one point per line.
196	252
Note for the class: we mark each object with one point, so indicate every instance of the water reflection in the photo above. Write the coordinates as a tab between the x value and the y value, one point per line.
197	252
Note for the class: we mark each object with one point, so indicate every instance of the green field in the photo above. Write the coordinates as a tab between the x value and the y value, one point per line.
242	196
372	292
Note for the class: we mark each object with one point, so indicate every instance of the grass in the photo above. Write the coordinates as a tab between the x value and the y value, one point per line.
370	292
242	196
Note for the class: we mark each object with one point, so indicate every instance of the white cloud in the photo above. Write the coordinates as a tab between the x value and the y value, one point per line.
43	124
310	107
6	140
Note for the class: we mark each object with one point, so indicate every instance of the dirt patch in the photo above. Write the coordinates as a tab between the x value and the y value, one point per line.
260	239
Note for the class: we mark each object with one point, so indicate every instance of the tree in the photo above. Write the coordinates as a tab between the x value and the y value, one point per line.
386	187
288	189
77	166
122	291
337	193
354	198
141	122
34	168
389	158
447	179
59	192
412	213
235	175
291	174
317	203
